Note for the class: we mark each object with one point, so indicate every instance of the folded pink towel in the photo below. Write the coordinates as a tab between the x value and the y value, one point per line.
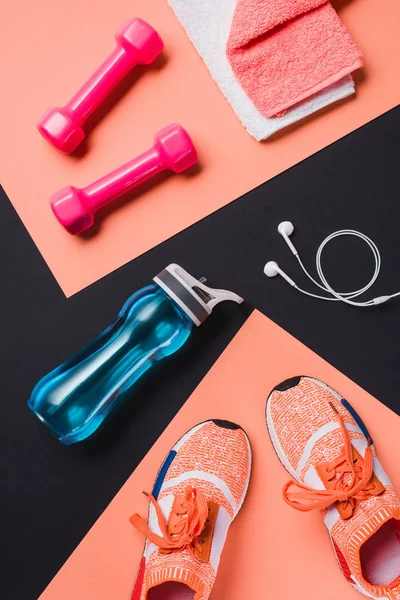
283	51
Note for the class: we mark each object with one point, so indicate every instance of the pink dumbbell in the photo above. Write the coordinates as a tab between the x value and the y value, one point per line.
137	43
75	208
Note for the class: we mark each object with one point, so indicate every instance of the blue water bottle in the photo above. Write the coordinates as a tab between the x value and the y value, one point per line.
73	400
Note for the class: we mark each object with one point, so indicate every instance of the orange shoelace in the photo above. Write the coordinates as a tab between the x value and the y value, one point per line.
185	524
346	490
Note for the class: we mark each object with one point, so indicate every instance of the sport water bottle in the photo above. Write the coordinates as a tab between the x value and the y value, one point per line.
73	400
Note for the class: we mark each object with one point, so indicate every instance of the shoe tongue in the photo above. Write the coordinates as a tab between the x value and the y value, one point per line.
182	567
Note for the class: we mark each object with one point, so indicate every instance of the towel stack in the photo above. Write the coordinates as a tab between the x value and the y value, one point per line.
276	61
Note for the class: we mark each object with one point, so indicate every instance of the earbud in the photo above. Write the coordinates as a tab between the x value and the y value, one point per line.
272	269
286	229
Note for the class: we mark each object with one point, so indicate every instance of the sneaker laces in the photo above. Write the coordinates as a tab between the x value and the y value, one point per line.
184	526
347	490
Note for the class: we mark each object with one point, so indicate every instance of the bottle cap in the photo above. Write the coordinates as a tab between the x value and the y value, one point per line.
195	298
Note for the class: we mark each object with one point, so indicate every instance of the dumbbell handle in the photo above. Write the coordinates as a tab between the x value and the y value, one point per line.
137	43
123	179
116	66
172	150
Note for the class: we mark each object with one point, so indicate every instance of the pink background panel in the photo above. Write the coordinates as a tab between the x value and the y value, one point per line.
49	49
272	550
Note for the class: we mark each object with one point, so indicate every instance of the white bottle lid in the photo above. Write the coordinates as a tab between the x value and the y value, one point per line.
192	296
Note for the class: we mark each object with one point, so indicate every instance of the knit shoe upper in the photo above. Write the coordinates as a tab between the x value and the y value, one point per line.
197	494
327	450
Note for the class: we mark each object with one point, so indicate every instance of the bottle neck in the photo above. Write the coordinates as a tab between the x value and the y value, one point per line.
182	298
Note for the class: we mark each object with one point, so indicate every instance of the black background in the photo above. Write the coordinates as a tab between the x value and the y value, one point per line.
51	494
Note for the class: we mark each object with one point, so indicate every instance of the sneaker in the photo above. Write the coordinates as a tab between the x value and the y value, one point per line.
326	448
198	492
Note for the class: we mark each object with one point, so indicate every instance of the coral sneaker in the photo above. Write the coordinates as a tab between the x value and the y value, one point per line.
198	492
326	448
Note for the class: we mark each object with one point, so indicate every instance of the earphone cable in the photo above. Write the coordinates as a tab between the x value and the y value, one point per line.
346	297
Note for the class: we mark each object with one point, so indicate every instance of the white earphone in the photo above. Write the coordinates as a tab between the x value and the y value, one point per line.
272	269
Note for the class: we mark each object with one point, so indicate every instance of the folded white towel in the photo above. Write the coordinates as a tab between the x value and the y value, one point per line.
208	23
